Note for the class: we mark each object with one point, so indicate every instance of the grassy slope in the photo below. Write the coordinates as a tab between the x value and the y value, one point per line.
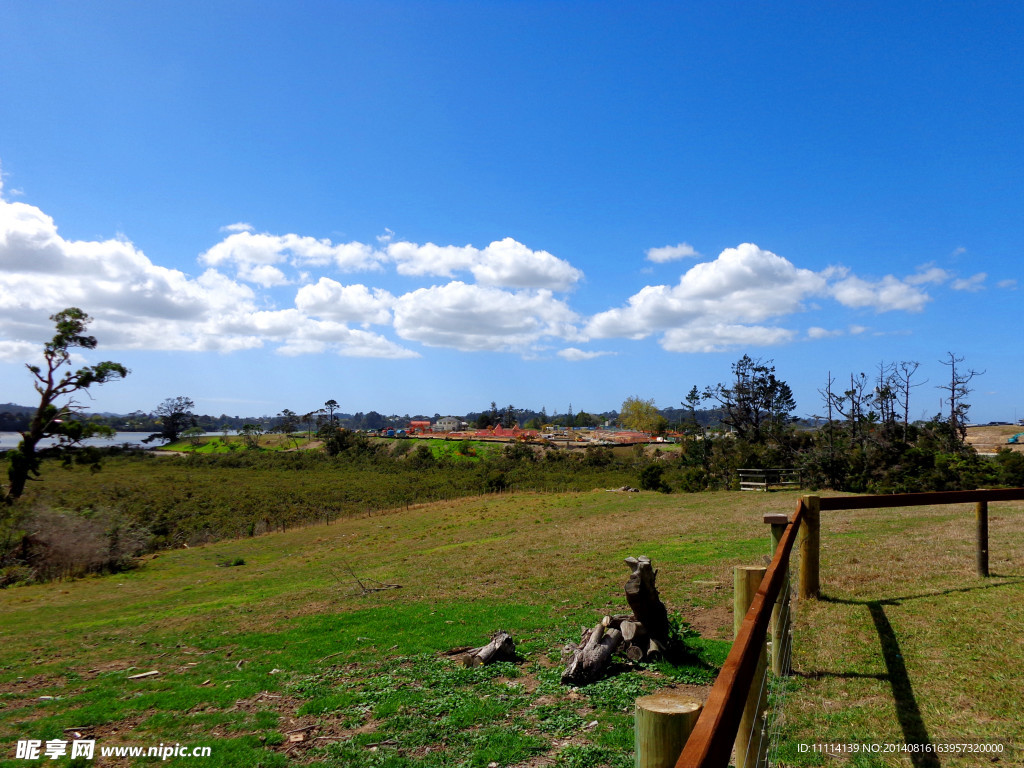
249	653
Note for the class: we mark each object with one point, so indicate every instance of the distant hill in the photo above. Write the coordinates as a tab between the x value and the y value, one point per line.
17	410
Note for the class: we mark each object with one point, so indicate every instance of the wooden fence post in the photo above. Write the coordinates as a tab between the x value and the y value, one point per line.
810	548
981	517
663	723
781	617
751	746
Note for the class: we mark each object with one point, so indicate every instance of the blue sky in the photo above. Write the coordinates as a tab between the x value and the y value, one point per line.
424	207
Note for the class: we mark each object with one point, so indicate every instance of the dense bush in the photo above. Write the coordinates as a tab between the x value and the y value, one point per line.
49	544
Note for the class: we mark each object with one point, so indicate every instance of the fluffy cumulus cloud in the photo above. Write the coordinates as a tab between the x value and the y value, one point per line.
482	318
254	256
137	304
259	258
504	263
737	299
885	295
331	300
713	337
671	253
744	285
281	292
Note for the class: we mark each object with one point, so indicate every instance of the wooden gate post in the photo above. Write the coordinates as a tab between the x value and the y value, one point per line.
781	616
663	723
751	746
810	548
981	517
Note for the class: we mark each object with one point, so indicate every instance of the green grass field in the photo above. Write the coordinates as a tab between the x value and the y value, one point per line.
261	639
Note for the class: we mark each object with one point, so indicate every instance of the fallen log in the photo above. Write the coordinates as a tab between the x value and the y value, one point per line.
593	655
501	648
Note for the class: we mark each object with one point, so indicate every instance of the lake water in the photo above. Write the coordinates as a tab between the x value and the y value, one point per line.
10	440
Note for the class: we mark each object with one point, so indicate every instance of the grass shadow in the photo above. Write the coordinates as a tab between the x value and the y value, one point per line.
908	712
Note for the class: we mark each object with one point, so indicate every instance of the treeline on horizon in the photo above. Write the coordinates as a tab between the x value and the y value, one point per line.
16	418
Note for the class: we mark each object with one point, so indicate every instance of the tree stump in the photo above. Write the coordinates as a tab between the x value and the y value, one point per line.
642	596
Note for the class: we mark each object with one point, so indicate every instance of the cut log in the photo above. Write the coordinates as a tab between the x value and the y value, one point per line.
642	596
592	657
633	632
501	648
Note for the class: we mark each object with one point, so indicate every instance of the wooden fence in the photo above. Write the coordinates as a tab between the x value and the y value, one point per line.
711	741
766	479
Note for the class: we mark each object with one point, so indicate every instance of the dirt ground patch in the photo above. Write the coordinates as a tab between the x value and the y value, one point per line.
991	439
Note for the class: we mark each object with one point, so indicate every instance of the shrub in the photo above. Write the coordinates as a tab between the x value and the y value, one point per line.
61	545
651	479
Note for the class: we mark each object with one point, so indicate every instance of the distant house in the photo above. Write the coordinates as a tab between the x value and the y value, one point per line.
447	424
419	426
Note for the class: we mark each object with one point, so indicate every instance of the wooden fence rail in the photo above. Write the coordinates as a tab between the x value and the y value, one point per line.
711	742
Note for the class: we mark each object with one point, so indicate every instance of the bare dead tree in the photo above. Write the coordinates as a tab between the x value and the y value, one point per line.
906	370
956	394
885	393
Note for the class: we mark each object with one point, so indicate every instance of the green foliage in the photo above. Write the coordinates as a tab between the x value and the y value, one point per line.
174	416
651	479
756	404
640	415
251	434
54	420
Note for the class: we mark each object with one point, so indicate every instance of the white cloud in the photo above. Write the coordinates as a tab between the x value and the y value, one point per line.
139	305
815	332
857	330
263	275
331	300
246	251
240	226
716	337
971	284
885	295
1010	284
480	318
928	275
671	253
744	284
18	351
504	263
575	355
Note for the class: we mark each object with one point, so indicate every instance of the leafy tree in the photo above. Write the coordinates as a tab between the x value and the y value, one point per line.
489	418
287	423
174	415
331	406
757	404
639	415
251	434
510	418
192	434
53	382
